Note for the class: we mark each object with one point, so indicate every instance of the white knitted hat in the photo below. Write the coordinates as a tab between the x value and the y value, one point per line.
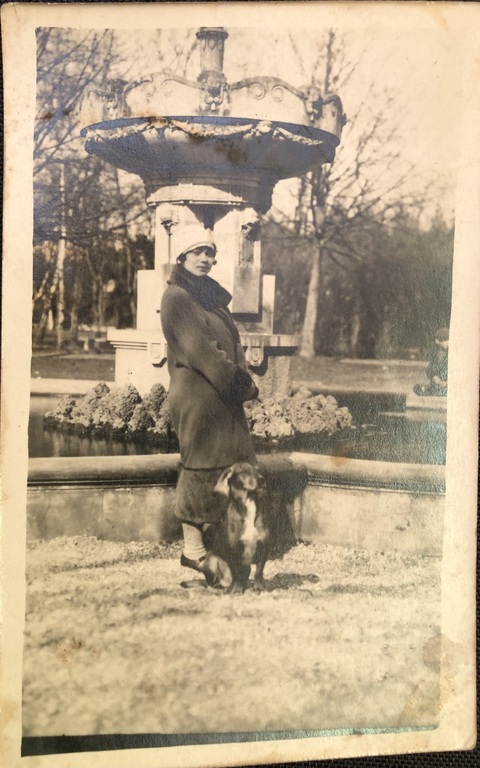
193	236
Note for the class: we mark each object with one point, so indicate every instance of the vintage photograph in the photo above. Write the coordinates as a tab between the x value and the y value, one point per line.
245	359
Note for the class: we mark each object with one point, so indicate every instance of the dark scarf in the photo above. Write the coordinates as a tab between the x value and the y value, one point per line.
203	288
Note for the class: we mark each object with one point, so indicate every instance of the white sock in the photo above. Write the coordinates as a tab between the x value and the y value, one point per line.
193	546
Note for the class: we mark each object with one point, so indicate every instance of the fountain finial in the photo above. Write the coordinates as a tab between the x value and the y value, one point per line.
212	46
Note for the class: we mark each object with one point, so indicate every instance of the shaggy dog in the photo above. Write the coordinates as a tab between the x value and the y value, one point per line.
241	538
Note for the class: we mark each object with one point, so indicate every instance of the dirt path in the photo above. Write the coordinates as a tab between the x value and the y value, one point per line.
114	644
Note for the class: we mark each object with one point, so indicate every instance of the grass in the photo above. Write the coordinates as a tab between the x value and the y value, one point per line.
96	367
389	375
342	638
332	372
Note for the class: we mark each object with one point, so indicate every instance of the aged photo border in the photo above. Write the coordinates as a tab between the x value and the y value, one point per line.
457	726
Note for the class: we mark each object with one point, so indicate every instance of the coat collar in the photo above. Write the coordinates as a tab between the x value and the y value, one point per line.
204	289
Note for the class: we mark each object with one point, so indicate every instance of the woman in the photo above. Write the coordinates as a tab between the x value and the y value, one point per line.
208	386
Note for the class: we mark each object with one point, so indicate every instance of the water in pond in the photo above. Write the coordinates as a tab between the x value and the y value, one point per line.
395	437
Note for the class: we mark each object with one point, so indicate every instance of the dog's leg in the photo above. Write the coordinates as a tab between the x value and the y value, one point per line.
262	554
240	574
217	572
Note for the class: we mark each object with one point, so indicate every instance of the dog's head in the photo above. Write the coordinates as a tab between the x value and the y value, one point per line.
240	480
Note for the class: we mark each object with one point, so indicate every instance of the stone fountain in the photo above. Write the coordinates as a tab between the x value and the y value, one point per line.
210	152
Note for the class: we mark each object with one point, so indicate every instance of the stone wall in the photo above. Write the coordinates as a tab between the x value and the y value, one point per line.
362	504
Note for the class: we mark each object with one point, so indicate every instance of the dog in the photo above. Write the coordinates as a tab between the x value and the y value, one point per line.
241	538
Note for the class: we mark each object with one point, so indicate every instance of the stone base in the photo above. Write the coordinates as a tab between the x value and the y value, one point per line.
140	359
369	519
273	377
428	403
114	514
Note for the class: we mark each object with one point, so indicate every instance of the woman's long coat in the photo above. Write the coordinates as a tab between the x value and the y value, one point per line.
208	377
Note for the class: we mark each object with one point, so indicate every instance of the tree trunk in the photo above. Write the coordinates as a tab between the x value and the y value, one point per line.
76	298
96	303
42	323
355	327
48	296
60	281
60	272
44	296
133	302
307	346
129	256
300	211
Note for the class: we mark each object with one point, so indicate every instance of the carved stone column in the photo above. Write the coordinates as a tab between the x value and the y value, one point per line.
211	77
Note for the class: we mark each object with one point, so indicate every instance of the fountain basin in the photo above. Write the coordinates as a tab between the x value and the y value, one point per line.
362	504
182	158
174	146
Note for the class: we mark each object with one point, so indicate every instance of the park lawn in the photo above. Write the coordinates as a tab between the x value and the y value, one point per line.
386	375
95	367
343	638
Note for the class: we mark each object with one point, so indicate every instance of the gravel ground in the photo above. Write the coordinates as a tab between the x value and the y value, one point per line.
114	643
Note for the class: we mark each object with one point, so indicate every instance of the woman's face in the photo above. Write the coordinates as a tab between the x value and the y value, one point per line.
200	260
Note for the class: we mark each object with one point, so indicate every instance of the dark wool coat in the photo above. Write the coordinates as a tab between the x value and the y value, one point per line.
208	377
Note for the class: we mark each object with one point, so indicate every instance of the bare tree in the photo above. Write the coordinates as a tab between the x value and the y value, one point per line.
339	207
95	221
67	62
79	203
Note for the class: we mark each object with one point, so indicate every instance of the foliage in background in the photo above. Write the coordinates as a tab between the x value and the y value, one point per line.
364	279
386	305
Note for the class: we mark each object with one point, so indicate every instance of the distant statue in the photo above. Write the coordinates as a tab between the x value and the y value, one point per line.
437	370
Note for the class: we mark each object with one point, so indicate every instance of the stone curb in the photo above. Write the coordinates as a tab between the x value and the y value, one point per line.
281	470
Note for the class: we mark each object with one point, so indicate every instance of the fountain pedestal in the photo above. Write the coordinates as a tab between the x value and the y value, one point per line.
210	153
141	352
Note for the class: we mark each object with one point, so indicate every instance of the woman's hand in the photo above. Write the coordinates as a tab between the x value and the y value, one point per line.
252	392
